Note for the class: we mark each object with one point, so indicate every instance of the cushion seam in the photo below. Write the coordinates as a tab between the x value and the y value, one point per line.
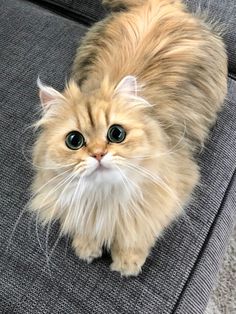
65	12
232	76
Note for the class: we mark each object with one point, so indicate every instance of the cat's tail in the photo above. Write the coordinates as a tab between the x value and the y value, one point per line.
122	4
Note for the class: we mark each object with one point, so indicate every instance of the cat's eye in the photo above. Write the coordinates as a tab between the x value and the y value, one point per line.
74	140
116	134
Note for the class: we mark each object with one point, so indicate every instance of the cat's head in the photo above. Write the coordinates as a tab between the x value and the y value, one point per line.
103	136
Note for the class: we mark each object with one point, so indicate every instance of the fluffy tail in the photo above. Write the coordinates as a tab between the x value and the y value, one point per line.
121	4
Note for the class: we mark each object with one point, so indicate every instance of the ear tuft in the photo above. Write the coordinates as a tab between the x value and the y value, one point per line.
128	86
47	94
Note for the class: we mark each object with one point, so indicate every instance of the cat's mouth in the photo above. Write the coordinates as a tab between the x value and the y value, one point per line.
103	174
101	169
98	169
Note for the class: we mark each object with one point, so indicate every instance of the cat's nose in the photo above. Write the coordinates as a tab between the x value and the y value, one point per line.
99	156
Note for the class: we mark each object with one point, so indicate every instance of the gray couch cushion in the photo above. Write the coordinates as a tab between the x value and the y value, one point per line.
180	270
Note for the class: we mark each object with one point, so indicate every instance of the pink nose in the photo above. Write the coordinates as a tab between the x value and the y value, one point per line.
98	156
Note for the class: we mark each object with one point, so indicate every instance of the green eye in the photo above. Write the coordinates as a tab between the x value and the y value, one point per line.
116	134
74	140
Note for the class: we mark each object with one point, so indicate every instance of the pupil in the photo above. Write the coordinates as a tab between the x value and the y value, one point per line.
75	140
116	133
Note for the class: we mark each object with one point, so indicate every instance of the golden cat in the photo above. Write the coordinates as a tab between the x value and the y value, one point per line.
114	159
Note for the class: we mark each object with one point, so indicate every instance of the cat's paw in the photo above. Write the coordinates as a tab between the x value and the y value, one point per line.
128	263
86	250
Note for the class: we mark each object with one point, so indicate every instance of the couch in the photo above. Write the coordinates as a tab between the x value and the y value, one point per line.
39	272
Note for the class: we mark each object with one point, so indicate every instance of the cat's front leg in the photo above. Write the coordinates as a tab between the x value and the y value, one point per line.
128	262
129	253
86	248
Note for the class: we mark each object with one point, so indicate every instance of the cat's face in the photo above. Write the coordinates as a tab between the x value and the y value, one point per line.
101	137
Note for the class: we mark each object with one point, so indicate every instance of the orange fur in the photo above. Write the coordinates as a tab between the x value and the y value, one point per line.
180	66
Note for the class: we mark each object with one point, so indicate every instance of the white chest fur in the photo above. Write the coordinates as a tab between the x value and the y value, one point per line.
93	205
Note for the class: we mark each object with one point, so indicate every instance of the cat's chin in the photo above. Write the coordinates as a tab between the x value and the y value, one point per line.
104	175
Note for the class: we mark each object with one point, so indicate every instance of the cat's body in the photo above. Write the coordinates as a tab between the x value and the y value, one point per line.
160	74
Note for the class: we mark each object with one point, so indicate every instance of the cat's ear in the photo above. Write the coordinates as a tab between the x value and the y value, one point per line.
48	95
127	86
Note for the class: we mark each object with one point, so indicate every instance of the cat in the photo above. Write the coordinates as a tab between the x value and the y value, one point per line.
115	156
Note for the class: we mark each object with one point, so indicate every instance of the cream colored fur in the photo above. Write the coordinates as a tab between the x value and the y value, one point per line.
158	72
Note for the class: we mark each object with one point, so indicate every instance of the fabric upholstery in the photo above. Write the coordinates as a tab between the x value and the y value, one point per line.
177	276
223	11
92	10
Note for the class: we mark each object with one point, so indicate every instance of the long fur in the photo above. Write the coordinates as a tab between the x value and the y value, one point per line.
160	73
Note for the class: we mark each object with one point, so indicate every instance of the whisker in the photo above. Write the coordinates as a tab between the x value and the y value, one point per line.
168	152
66	245
58	166
53	190
82	211
125	182
26	209
49	181
160	182
155	179
47	255
137	194
37	232
15	227
73	197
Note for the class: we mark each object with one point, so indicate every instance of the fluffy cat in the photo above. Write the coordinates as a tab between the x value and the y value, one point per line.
115	155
